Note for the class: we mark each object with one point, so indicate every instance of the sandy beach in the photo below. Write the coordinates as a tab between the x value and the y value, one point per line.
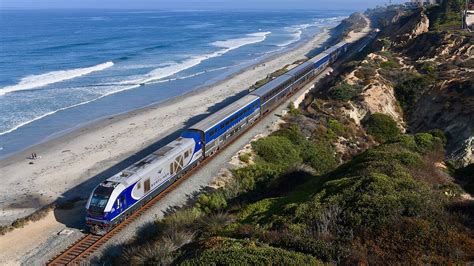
71	165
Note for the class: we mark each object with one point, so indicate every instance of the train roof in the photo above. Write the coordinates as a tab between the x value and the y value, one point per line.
265	89
300	68
318	57
335	47
209	122
132	173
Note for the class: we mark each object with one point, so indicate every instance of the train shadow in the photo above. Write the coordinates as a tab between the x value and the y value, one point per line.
80	193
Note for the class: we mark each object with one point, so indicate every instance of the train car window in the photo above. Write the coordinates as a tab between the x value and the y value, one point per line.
139	185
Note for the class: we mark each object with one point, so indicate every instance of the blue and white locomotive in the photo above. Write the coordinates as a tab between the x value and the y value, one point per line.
117	197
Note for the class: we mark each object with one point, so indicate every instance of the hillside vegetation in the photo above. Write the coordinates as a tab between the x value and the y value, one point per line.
359	174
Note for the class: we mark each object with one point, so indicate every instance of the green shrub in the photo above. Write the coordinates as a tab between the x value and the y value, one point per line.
277	150
344	91
320	156
179	220
293	110
292	133
389	64
211	202
249	253
254	176
336	127
440	135
245	157
382	127
409	87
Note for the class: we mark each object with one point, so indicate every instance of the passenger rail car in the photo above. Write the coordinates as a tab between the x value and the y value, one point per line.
222	126
120	195
274	91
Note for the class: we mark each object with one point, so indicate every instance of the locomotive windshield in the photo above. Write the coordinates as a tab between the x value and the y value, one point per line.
100	197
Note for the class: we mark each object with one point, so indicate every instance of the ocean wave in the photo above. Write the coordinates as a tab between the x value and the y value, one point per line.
38	81
229	45
155	76
296	32
239	42
66	108
295	36
123	87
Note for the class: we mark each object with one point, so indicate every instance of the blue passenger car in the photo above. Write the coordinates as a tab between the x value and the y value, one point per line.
220	127
274	91
301	74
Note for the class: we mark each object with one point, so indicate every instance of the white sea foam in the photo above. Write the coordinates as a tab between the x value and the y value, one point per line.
239	42
228	45
296	32
295	36
38	81
157	75
66	108
121	89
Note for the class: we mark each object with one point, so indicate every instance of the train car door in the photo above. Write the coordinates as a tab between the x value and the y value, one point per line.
123	203
146	185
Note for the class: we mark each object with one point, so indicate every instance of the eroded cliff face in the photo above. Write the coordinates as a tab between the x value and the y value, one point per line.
445	100
421	78
449	103
377	94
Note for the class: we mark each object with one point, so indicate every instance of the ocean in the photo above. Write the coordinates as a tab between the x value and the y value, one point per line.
62	69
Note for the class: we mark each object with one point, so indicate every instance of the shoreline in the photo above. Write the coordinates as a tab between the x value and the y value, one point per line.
92	151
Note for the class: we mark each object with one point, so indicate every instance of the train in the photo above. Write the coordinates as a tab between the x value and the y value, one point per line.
119	196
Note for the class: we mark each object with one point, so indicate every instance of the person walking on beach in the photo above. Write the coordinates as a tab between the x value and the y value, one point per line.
34	156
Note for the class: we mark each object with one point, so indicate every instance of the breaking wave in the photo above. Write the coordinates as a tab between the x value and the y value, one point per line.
37	81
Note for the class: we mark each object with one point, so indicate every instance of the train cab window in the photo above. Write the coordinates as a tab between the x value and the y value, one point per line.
100	197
